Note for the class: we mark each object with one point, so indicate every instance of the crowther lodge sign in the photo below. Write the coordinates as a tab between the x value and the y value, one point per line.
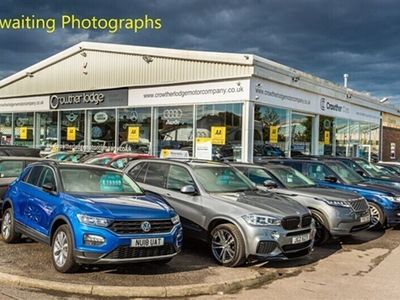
92	99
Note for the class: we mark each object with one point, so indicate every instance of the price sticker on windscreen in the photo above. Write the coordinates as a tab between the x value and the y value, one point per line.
133	134
71	133
23	133
218	135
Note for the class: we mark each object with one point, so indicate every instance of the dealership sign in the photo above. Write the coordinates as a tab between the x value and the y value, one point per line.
280	95
92	99
232	90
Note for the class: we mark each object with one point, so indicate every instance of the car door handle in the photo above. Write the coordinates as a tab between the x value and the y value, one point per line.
168	195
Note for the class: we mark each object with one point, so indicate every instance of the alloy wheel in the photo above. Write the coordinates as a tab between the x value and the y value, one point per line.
6	226
60	249
223	246
375	215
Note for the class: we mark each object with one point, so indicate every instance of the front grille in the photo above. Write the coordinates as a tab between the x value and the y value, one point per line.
291	223
125	252
359	204
132	227
306	221
265	247
295	247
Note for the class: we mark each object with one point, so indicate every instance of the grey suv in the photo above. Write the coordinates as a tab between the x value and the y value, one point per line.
336	213
220	205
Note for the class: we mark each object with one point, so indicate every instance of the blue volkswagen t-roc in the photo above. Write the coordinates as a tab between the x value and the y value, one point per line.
89	215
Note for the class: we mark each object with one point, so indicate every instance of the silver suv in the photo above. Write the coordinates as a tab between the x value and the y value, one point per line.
220	205
336	213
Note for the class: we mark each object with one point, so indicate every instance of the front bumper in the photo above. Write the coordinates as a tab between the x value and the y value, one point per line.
263	246
101	259
117	248
343	224
392	214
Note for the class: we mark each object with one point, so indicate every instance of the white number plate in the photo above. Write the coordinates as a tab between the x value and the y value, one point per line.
365	219
147	242
300	238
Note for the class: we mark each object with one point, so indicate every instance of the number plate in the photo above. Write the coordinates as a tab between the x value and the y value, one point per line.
300	238
365	219
140	243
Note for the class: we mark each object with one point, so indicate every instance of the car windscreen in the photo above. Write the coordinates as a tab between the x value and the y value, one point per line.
97	181
292	178
344	173
222	179
257	175
10	168
370	168
100	161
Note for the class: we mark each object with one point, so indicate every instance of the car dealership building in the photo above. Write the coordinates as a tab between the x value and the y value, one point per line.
154	99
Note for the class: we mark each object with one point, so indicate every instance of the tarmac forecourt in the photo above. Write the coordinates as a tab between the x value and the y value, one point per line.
191	273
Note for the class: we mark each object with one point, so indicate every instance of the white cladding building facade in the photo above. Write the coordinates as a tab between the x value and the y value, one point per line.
154	99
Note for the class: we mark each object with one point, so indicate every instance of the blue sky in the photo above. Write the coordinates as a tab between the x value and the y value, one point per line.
324	38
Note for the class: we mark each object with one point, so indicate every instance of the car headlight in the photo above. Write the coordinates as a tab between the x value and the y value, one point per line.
394	199
335	202
94	221
261	220
175	219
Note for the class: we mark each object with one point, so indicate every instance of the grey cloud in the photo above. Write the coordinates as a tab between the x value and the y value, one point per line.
324	38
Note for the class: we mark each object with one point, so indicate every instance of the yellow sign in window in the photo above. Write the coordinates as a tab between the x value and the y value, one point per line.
273	134
23	133
133	134
218	135
71	133
327	137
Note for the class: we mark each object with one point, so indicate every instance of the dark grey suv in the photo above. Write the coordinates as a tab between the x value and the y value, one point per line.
218	204
336	213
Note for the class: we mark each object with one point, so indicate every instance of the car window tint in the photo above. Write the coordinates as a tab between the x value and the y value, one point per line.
34	175
156	174
10	168
47	177
25	173
178	177
138	172
318	172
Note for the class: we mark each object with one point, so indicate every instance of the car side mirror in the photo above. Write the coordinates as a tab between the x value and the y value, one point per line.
49	188
188	189
270	184
331	179
360	172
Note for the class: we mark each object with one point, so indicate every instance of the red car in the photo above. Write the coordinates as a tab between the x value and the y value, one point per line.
115	160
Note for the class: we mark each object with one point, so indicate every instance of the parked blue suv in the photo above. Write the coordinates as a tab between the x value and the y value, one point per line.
383	201
89	215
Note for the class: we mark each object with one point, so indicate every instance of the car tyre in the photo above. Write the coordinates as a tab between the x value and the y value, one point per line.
227	245
377	216
8	232
322	234
62	251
